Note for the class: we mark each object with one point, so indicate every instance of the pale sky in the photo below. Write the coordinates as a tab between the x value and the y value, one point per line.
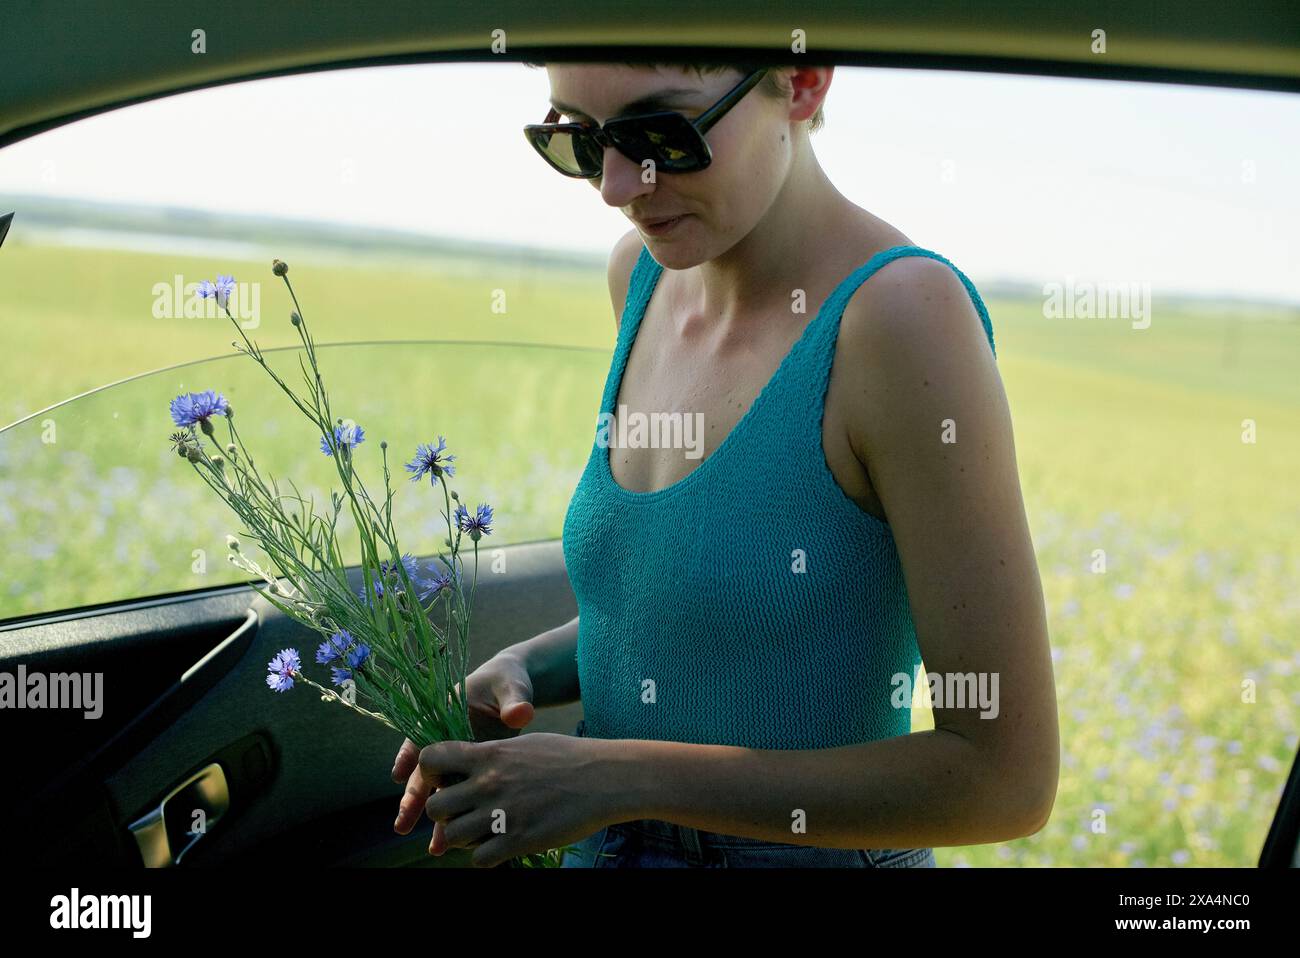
1024	178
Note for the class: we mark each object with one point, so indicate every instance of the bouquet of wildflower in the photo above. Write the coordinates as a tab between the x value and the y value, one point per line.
388	659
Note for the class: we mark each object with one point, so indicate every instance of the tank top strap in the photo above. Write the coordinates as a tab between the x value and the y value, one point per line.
811	356
640	287
823	336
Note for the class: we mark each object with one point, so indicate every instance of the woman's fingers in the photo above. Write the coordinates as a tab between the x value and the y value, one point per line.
438	765
517	713
513	691
419	787
438	844
407	758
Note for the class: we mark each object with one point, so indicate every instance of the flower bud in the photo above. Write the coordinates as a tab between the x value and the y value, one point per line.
279	267
233	543
295	319
206	426
193	454
219	462
230	411
455	498
182	450
230	449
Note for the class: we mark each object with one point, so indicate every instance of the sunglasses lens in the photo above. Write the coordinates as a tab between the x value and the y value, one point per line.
574	154
670	141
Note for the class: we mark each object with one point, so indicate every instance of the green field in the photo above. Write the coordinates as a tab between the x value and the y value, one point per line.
1177	668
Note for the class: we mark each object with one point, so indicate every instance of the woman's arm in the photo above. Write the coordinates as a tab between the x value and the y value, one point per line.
551	663
922	367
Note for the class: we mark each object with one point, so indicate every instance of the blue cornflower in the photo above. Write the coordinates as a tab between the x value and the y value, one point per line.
282	668
335	647
379	592
428	459
477	524
355	659
220	290
194	408
345	436
408	561
439	582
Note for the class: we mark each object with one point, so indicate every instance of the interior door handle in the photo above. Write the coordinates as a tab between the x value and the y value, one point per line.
185	815
191	809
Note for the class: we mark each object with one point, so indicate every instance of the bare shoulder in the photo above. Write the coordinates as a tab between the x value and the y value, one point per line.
910	336
622	259
915	298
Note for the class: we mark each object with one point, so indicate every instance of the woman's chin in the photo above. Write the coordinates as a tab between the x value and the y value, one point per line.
671	254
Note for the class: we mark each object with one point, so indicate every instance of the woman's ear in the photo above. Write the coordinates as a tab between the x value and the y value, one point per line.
810	85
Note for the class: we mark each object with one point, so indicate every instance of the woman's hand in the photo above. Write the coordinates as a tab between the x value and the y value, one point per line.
518	795
500	703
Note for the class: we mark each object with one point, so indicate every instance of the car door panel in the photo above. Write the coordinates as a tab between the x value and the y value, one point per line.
302	773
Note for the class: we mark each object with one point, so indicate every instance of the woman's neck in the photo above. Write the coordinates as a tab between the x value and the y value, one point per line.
798	231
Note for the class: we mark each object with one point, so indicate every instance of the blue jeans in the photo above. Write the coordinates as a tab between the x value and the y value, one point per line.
649	843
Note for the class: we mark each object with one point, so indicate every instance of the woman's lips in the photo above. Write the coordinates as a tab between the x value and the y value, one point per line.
663	226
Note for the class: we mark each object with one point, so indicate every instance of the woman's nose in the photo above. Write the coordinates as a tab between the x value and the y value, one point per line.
621	179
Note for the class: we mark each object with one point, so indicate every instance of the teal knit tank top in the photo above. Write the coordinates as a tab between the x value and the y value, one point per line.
751	603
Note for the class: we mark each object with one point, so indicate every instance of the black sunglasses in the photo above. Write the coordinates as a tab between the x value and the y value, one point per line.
674	143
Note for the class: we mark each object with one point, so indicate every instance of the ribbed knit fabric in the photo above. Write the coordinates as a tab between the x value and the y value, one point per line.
693	626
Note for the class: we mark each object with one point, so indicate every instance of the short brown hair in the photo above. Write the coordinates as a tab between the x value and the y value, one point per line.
775	84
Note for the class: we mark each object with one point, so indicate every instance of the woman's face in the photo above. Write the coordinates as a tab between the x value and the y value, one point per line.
720	204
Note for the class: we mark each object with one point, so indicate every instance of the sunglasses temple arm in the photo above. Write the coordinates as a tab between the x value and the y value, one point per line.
714	113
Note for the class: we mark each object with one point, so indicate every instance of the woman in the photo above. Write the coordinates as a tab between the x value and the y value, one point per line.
751	619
